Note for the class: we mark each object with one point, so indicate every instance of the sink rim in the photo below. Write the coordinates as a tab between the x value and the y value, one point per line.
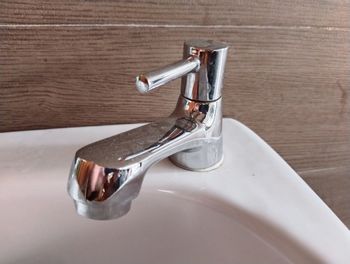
286	179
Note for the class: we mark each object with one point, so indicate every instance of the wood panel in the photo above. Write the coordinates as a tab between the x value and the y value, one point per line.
333	13
290	87
332	185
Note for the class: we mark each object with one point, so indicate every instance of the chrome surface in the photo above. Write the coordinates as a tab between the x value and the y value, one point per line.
107	175
202	71
206	83
154	79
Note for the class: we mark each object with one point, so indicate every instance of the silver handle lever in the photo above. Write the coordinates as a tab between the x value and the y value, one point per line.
148	81
202	71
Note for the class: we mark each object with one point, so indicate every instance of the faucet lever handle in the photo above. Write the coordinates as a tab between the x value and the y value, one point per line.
202	71
148	81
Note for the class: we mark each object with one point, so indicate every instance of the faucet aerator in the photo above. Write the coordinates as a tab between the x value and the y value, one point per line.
102	212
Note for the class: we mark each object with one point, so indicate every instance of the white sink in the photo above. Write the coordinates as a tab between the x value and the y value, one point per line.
253	209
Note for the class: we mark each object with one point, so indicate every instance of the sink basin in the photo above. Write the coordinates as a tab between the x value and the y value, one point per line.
253	209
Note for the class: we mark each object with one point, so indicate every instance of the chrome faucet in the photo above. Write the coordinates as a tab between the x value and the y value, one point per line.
107	175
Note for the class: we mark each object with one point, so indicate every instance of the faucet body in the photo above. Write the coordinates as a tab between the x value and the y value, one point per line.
107	175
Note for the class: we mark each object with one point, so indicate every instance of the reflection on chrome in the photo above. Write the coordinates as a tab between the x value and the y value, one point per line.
107	175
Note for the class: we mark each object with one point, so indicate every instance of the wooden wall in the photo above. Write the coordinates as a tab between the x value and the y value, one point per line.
72	63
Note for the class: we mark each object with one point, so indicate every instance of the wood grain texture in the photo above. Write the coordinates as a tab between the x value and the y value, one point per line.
332	185
333	13
290	87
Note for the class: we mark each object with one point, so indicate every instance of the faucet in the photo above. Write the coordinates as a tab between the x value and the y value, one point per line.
107	175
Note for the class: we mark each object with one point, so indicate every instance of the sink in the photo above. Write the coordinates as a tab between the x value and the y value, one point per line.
253	209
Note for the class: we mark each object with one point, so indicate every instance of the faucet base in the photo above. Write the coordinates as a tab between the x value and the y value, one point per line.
215	166
205	158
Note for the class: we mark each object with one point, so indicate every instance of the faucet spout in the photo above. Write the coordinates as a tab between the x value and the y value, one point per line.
107	175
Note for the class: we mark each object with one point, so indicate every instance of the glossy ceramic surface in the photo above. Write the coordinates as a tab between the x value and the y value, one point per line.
253	209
